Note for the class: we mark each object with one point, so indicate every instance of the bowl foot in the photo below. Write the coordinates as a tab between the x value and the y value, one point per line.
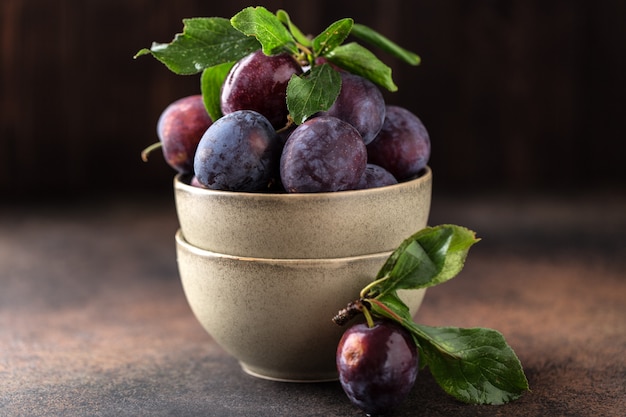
313	378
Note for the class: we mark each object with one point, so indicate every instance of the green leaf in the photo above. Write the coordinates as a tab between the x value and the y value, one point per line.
473	365
266	28
332	37
211	85
297	34
374	38
429	257
205	42
313	92
391	306
359	60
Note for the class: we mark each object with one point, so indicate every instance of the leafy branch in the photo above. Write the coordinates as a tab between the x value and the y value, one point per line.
212	45
474	365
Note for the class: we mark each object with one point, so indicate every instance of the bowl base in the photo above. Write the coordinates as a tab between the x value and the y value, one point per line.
332	377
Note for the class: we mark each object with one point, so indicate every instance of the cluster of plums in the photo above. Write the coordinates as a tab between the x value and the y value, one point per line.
359	142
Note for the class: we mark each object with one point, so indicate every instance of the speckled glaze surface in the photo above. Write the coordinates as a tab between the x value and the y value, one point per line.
316	225
275	315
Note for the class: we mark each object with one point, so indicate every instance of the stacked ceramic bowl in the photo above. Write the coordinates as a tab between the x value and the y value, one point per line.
265	273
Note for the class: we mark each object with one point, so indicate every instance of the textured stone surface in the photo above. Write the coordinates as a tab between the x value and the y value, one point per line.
93	320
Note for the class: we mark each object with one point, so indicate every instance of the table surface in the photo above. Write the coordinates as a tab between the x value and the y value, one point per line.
93	320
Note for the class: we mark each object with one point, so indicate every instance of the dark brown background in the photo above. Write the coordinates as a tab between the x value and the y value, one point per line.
524	95
524	100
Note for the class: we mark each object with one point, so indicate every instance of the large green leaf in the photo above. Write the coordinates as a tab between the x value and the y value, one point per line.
359	60
332	36
429	257
204	42
473	365
266	28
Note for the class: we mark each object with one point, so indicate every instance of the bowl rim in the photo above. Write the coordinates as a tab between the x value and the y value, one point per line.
180	240
181	181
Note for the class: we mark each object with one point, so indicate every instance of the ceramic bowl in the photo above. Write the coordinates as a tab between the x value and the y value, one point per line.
265	273
299	226
275	315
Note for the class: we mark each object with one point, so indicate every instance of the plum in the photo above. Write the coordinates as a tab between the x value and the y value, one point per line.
259	82
375	176
179	129
360	103
239	152
377	365
402	146
324	154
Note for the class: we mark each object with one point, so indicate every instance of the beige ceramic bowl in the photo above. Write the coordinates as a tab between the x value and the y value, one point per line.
275	315
313	225
265	273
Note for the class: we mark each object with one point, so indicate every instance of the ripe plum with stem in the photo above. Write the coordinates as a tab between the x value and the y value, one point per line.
377	364
179	129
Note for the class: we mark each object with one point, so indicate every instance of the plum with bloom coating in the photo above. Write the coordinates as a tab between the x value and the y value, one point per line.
375	176
239	152
402	146
324	154
361	104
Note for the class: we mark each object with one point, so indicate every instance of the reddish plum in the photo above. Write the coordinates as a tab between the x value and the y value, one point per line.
259	82
179	128
377	365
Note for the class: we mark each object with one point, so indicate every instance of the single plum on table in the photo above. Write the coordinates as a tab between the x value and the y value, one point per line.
402	146
377	365
259	82
239	152
323	154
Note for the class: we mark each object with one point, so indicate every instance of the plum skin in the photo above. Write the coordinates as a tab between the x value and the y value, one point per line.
375	176
402	146
259	82
377	365
359	103
180	128
324	154
239	152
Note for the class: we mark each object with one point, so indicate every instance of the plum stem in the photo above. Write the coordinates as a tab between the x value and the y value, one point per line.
368	317
346	314
147	150
371	285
